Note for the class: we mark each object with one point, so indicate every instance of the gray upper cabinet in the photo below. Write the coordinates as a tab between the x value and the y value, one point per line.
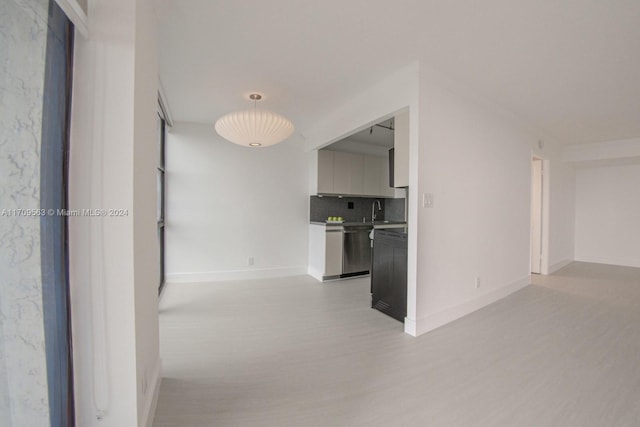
372	171
348	173
325	171
353	174
376	176
401	148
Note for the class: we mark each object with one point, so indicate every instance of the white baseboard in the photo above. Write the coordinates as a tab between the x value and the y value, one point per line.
151	401
435	320
218	276
410	327
314	273
623	262
558	265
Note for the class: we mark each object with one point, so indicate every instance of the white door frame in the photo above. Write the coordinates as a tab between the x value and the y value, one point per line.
539	223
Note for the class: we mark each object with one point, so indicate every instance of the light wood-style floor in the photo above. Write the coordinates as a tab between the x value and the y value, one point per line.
294	352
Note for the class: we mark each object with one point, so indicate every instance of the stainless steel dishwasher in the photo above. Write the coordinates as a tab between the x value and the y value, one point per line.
356	254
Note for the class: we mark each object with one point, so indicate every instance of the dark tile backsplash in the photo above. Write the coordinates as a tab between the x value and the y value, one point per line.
326	206
394	209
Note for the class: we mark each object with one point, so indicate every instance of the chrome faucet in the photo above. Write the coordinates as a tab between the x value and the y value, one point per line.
373	209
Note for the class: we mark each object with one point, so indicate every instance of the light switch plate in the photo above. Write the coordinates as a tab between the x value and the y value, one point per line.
427	200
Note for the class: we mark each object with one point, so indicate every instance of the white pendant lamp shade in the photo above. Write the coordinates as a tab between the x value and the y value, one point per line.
254	128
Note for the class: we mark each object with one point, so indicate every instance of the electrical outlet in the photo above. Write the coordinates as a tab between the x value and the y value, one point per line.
250	261
477	282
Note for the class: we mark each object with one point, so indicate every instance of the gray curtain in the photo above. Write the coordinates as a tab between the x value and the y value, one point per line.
53	225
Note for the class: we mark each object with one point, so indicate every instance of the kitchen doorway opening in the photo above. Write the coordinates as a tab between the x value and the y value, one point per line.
362	191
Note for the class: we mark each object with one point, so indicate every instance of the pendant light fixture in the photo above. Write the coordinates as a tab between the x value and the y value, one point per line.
254	128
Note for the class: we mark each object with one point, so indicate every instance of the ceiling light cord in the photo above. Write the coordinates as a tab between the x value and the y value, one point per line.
256	97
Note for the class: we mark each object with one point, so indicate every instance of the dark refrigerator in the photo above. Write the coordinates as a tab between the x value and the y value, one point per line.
389	273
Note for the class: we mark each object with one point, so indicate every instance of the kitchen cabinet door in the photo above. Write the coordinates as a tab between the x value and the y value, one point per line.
333	253
348	170
376	177
353	174
325	171
401	148
372	175
385	189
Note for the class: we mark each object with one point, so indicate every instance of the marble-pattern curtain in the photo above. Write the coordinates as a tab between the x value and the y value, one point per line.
24	396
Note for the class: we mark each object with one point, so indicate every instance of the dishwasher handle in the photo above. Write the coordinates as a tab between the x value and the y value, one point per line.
357	228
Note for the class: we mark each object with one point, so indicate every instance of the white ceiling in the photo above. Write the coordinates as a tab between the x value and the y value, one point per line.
568	67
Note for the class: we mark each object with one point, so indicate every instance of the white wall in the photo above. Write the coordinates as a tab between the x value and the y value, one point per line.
146	247
602	151
607	224
477	165
560	180
226	203
475	159
113	274
394	93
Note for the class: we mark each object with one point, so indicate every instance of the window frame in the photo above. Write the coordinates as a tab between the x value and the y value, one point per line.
161	191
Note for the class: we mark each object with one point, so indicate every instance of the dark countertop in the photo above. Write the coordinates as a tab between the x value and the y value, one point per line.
376	224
